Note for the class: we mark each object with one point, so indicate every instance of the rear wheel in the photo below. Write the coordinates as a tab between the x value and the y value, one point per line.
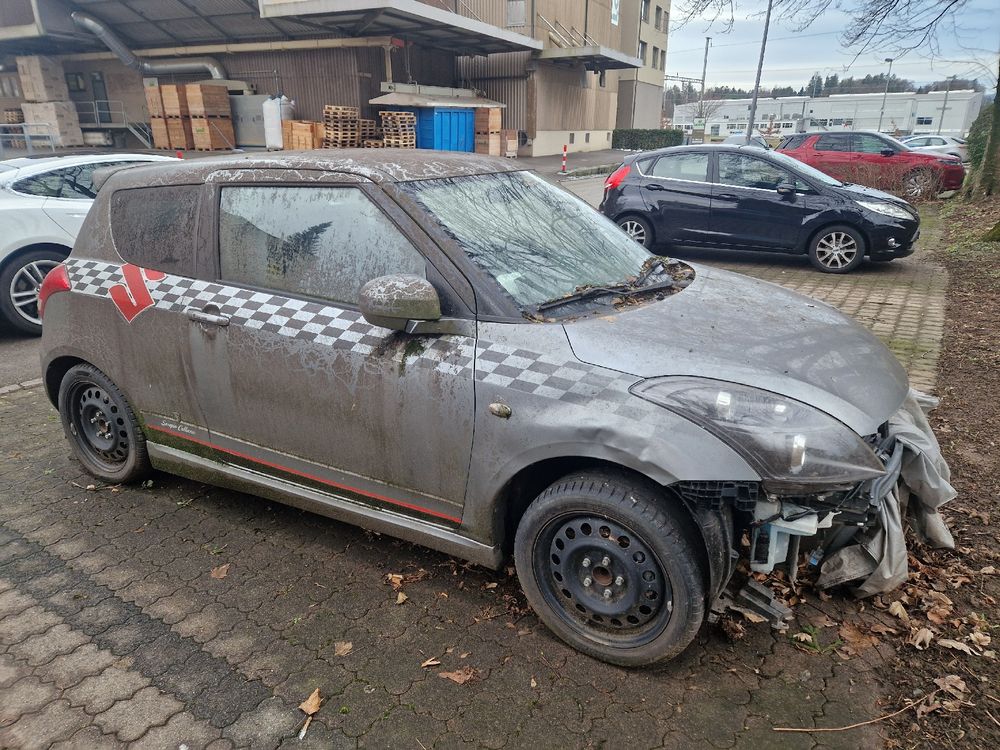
610	570
638	229
920	183
837	249
101	427
20	281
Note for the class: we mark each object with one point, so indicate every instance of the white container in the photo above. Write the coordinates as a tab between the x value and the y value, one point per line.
276	110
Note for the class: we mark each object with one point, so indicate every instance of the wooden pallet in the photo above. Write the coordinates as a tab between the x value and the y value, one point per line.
207	100
174	100
179	133
212	133
13	116
340	112
372	143
161	135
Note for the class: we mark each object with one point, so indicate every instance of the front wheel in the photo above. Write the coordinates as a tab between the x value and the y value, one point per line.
609	568
20	282
638	229
920	183
837	249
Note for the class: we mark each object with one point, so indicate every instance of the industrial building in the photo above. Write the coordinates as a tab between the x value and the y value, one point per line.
944	112
564	71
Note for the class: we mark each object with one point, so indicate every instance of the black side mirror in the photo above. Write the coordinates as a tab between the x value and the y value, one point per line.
888	152
786	188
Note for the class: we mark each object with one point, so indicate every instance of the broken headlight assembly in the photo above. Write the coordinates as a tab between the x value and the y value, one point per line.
794	447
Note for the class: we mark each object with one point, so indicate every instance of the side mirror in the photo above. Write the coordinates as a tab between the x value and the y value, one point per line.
888	152
786	188
394	301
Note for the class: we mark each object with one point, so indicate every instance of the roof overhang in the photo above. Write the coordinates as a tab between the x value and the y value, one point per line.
594	57
400	99
411	20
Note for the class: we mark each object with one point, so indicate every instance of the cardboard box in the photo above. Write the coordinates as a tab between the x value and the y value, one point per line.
154	102
207	100
286	134
174	100
60	119
509	143
179	133
487	119
488	144
212	133
42	79
161	136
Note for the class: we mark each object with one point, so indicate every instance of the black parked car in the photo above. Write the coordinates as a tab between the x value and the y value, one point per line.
740	197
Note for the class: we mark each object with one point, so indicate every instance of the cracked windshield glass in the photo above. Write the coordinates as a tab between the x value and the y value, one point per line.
537	241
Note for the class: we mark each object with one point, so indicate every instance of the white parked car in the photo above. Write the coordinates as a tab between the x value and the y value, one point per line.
939	144
43	202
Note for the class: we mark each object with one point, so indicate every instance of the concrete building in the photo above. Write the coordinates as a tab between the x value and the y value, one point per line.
554	64
905	113
640	91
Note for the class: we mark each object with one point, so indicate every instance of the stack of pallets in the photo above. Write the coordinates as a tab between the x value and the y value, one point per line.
174	130
211	117
13	117
488	131
399	129
342	128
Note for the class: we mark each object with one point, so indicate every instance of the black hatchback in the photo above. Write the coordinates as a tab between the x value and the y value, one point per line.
746	198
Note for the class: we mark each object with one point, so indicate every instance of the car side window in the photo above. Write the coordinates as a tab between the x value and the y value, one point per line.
745	171
833	142
870	144
935	142
155	227
45	185
917	142
692	167
322	242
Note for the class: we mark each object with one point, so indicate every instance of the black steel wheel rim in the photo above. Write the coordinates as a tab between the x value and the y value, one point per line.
603	580
99	426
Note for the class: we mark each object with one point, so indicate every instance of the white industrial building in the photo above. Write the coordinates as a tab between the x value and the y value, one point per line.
905	113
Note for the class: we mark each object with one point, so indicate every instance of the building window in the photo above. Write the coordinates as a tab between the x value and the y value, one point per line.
586	137
517	12
925	120
658	18
10	87
645	10
787	125
642	52
714	130
572	138
663	60
656	57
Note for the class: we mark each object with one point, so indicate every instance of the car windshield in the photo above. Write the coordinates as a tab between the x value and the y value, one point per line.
803	169
538	241
896	143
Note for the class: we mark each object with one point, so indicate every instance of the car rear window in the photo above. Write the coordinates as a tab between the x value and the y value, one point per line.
155	227
835	142
792	141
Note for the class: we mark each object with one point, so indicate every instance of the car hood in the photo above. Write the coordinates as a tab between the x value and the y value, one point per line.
860	192
730	327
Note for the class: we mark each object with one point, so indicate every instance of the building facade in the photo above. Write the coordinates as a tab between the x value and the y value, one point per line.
556	66
905	113
640	91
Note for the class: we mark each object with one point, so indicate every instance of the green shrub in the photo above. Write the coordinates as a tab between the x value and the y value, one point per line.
643	140
978	134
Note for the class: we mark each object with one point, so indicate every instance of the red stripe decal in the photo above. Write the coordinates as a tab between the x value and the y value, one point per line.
304	475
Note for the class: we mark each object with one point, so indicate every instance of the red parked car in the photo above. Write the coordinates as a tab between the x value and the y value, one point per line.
877	161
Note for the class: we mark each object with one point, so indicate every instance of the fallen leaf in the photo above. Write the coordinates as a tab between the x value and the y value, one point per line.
957	645
882	629
980	639
896	609
459	676
432	662
221	571
752	616
342	648
822	620
464	655
401	597
989	570
91	487
311	704
854	640
491	585
921	639
533	683
953	684
394	579
802	637
939	615
927	707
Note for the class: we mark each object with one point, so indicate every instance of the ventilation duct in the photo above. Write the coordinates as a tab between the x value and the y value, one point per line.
147	67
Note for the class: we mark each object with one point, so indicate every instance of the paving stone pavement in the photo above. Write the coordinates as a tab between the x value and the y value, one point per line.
114	633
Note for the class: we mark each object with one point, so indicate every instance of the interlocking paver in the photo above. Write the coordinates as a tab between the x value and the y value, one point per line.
35	731
131	718
43	647
100	692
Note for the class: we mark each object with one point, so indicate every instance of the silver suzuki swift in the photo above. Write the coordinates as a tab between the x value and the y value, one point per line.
449	349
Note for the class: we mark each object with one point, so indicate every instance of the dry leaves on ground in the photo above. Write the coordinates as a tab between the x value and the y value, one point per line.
221	571
854	640
309	707
459	676
432	662
342	648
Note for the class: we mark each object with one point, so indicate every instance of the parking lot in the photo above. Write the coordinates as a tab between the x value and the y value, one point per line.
175	614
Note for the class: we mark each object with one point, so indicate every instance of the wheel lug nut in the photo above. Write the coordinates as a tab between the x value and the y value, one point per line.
585	562
587	581
606	561
607	593
619	581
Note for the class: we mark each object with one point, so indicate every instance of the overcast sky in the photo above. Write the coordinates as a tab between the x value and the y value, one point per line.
793	56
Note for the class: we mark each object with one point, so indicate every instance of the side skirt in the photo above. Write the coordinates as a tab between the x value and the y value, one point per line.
326	504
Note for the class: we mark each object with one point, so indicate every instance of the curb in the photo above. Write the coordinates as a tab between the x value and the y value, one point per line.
588	171
5	389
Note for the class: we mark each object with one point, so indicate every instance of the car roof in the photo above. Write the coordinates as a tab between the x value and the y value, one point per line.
726	147
377	165
37	164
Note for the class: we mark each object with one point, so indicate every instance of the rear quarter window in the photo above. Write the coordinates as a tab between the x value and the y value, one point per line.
155	227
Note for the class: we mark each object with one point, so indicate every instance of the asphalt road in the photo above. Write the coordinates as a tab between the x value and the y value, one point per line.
18	358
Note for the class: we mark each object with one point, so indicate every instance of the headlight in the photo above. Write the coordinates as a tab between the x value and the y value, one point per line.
886	209
786	441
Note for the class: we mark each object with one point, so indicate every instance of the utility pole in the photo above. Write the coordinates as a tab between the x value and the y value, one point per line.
885	93
760	67
944	106
704	69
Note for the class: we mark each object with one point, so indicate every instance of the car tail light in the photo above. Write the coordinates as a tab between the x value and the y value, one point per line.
56	280
617	177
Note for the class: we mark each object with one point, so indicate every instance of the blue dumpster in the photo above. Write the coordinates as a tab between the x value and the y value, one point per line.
444	128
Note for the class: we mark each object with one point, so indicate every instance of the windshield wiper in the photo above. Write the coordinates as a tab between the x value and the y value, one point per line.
622	290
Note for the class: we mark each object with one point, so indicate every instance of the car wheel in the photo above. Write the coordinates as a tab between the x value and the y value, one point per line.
837	249
920	183
610	569
20	281
638	229
101	427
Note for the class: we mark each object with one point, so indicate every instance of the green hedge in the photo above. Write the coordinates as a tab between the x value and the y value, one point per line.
642	140
978	134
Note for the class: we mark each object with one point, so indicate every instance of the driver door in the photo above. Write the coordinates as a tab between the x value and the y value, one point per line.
296	384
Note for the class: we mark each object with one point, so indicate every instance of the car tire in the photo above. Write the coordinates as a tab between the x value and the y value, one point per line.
20	280
594	533
837	249
101	426
921	183
638	229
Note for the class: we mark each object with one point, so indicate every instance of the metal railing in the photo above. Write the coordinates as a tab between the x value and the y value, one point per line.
111	112
25	136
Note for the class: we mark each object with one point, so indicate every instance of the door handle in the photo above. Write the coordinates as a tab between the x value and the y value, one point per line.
728	196
654	186
208	318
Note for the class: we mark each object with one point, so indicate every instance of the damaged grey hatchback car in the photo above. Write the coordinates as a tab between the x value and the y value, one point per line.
449	349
